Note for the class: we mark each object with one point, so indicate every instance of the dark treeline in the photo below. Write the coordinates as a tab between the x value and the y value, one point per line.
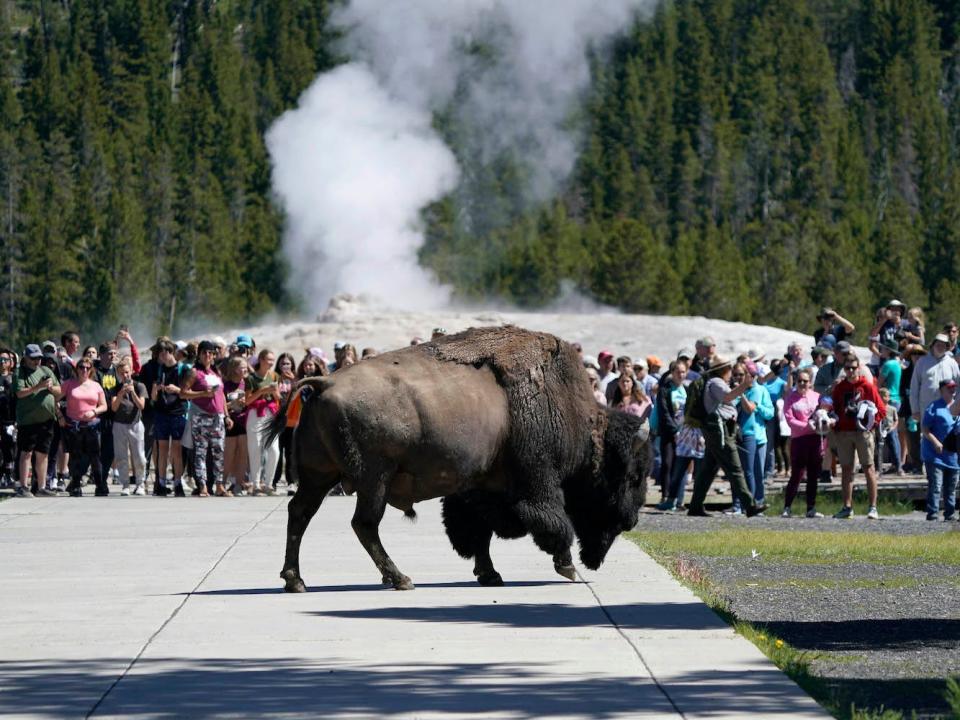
134	180
743	159
748	160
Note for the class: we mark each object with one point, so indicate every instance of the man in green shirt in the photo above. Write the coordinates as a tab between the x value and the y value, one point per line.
37	392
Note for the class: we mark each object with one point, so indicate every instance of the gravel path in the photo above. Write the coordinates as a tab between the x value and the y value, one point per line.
882	634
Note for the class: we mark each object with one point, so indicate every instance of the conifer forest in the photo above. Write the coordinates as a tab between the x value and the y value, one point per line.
743	159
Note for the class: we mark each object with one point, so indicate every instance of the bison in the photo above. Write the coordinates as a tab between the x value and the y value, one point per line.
499	422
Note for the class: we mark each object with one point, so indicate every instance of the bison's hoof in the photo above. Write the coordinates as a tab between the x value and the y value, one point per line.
568	571
490	579
403	583
293	583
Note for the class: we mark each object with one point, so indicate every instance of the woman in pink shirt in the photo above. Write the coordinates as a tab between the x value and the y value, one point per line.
204	388
806	445
86	402
630	397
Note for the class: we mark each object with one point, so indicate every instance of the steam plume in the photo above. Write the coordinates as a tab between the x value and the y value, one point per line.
357	161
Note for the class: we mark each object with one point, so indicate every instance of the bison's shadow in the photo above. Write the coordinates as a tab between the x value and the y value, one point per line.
633	616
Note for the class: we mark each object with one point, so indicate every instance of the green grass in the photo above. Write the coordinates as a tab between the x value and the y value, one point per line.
675	550
803	547
888	581
890	502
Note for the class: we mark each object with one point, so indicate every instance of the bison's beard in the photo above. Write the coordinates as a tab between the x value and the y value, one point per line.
594	548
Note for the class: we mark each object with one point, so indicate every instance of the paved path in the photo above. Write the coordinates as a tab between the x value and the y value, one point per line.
149	607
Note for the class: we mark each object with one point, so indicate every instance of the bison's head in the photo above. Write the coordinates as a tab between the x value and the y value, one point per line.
606	504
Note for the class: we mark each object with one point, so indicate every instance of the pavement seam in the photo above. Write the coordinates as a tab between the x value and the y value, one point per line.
178	608
633	646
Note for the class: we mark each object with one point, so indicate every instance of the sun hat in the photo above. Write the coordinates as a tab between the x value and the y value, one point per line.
896	303
890	345
719	363
940	337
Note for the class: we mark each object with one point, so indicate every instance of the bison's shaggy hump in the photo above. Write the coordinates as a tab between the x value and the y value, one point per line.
511	351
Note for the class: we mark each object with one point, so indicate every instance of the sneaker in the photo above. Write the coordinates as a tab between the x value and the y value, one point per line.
872	514
844	514
812	513
757	510
125	492
667	505
734	511
931	516
139	490
46	492
291	490
23	492
787	512
949	518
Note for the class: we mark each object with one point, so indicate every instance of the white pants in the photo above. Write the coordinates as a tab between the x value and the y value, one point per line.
262	457
127	441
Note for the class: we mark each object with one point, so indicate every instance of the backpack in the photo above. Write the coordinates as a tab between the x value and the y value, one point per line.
695	412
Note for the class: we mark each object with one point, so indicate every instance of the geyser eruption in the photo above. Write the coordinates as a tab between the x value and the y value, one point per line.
358	159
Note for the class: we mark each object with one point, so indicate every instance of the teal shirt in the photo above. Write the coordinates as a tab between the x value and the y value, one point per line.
890	378
755	424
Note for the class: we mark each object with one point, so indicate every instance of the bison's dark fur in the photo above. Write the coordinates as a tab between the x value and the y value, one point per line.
499	422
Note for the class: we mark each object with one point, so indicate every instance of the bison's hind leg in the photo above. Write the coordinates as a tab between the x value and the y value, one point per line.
470	536
371	504
311	490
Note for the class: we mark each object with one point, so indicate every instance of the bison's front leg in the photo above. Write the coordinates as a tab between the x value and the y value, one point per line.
300	511
371	503
563	564
470	536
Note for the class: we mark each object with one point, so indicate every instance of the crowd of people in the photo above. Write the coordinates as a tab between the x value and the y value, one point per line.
193	415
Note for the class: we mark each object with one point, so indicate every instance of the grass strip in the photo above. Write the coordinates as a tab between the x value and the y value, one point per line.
809	546
673	550
889	502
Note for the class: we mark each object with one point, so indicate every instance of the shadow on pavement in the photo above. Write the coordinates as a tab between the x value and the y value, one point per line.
271	687
635	616
869	634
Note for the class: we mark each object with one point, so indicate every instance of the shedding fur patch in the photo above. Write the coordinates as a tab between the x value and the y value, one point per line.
517	355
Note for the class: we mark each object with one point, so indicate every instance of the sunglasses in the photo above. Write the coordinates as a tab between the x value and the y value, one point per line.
803	381
851	367
84	367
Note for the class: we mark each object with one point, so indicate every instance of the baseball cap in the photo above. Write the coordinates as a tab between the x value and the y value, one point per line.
685	353
707	341
244	341
33	351
604	354
756	353
590	361
180	345
843	346
828	341
896	303
206	345
50	347
654	361
641	363
318	353
338	345
219	341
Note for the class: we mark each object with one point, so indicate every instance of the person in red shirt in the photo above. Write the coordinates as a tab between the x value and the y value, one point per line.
853	434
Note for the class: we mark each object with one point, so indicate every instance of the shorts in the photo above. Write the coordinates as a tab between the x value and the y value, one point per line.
168	427
847	441
35	437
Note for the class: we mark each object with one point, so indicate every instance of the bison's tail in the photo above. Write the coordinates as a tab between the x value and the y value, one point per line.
284	418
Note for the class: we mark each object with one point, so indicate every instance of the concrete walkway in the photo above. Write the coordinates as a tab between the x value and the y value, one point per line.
150	607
